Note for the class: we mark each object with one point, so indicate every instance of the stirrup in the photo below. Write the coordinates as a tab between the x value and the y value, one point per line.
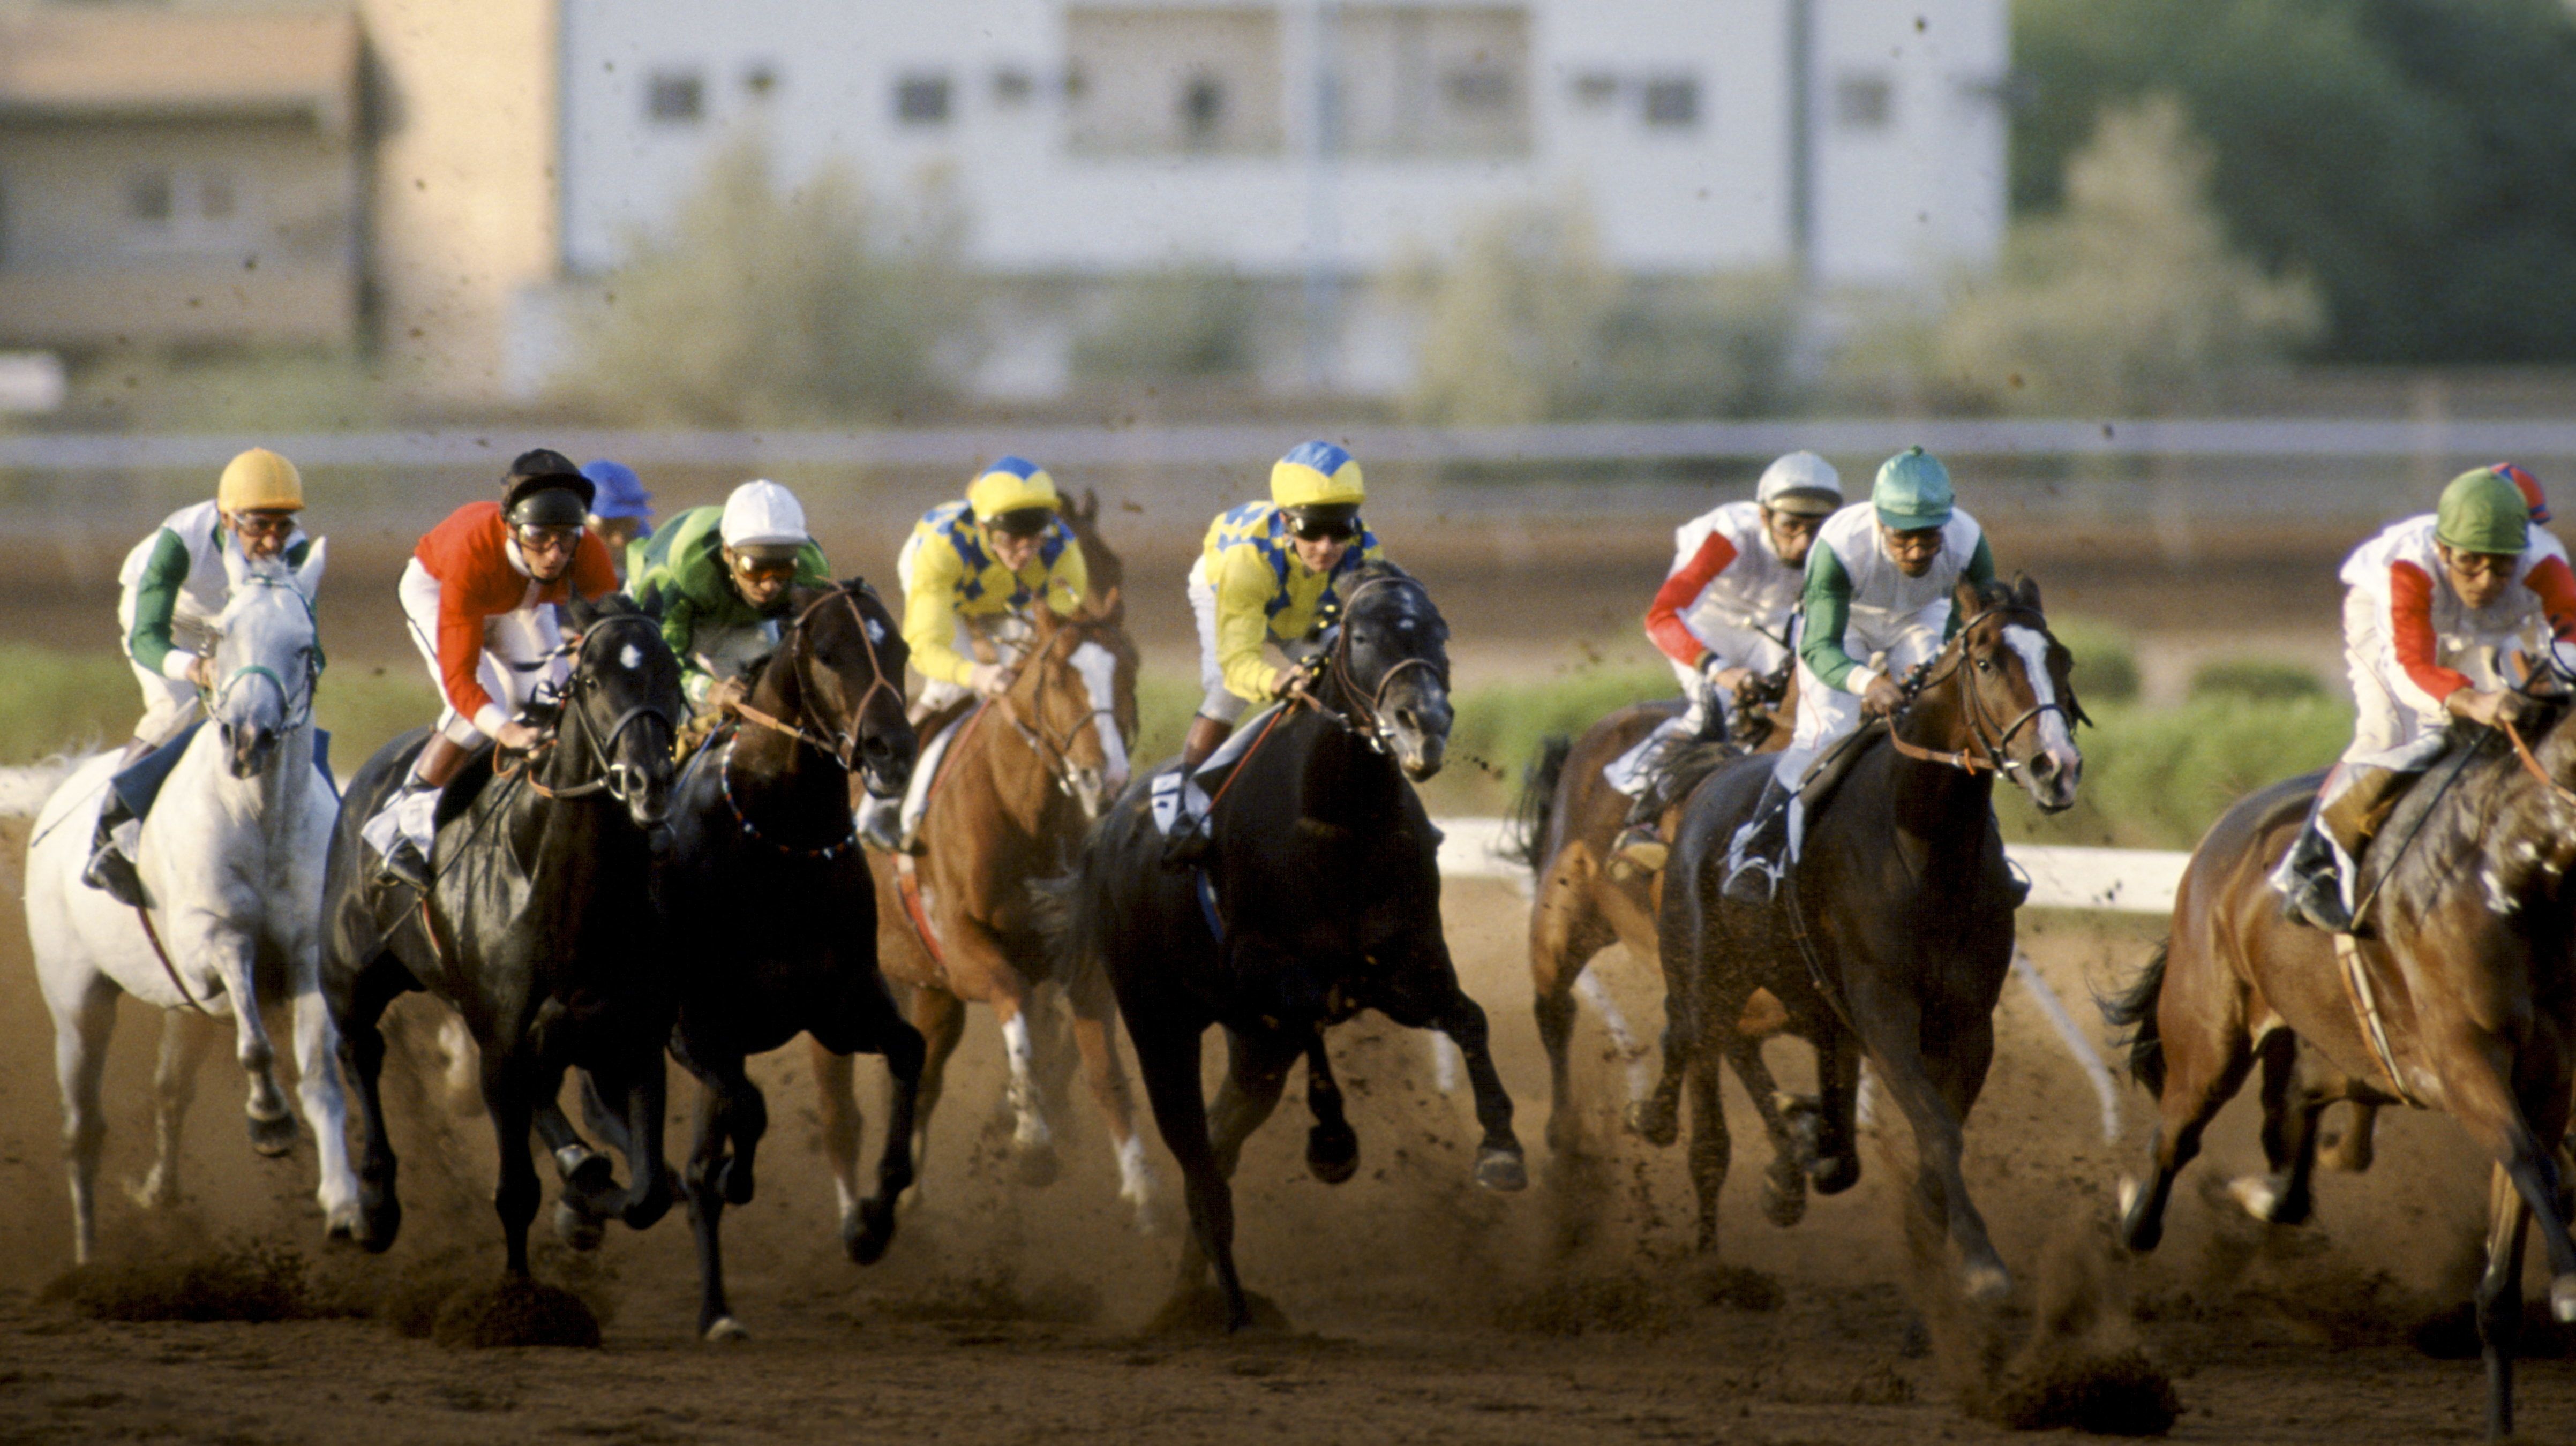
876	834
1641	849
1752	882
404	865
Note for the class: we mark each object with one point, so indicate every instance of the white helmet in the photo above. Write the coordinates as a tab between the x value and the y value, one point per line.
762	517
1801	483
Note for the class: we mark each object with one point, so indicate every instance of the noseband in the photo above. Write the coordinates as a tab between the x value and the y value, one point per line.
295	718
1370	725
1989	743
1055	749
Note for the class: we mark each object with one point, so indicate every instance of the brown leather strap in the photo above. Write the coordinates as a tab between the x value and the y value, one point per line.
167	967
2354	971
2532	766
907	887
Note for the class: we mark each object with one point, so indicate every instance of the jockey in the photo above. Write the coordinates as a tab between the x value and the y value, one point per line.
1723	616
1267	572
171	588
621	512
971	570
480	593
1878	583
720	577
2429	597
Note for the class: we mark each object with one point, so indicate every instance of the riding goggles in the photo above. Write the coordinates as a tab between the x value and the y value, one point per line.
764	569
533	540
264	524
1323	527
1022	521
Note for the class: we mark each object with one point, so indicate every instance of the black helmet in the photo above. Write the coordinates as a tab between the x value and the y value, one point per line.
542	471
546	502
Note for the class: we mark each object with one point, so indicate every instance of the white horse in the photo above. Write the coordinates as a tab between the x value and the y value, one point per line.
231	861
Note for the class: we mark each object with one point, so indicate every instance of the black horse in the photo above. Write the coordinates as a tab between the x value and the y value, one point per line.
772	915
539	932
1321	898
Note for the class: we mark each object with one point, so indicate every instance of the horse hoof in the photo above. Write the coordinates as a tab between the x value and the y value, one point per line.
2562	1299
1332	1153
1784	1198
867	1236
1656	1123
377	1228
734	1180
1985	1284
273	1138
1833	1174
649	1204
1035	1166
575	1229
1501	1169
340	1223
2257	1197
726	1328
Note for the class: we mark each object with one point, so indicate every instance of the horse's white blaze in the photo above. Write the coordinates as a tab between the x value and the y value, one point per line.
876	632
1099	670
630	657
2054	739
1032	1131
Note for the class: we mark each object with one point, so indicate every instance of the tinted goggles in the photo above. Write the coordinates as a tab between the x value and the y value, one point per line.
1323	529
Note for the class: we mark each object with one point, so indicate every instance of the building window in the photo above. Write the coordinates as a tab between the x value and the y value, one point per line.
182	207
1421	80
1672	101
1012	86
1173	80
1864	102
676	98
921	100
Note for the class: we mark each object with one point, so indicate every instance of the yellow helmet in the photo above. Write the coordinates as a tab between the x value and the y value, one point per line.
1012	484
1317	474
259	480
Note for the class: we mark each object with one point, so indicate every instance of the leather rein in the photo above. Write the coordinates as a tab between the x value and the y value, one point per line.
601	744
843	746
1988	743
1370	723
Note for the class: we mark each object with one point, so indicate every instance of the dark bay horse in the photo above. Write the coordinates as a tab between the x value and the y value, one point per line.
1893	935
1023	778
1321	898
769	917
540	931
1567	820
2461	997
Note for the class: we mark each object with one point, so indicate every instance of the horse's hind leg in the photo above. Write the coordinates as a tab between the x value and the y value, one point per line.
1095	1036
1710	1148
2195	1090
1791	1123
881	1027
326	1109
83	1024
1836	1165
1332	1146
1256	1074
2290	1110
1565	932
2353	1150
186	1039
358	1013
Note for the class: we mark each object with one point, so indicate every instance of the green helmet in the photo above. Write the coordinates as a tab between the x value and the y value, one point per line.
2482	512
1912	491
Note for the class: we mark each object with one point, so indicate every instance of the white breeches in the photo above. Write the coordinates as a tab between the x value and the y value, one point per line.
1007	634
1826	715
518	652
1219	702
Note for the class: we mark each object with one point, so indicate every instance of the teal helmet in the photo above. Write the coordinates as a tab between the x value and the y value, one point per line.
1912	491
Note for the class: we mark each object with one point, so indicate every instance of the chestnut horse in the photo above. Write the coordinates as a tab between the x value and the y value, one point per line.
1893	933
1021	780
2460	997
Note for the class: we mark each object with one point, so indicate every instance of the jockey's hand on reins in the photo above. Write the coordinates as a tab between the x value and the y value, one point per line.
1882	699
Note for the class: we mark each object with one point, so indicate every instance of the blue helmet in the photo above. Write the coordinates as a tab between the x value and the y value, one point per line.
621	493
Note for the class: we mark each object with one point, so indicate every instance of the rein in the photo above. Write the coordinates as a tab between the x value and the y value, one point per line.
1989	757
2531	765
600	744
842	747
1369	725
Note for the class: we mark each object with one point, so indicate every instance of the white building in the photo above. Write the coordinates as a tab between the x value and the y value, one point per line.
1858	142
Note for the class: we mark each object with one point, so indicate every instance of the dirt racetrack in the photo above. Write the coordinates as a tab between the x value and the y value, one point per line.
1417	1307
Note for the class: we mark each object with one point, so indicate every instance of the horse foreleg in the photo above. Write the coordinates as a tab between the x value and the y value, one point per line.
186	1039
1941	1187
271	1119
1256	1074
2499	1296
83	1024
884	1029
1499	1163
1167	1054
1710	1149
590	1194
2485	1105
706	1180
1032	1138
1332	1146
2353	1149
1565	932
941	1018
326	1109
509	1096
1836	1166
645	1095
356	1013
837	1110
1095	1036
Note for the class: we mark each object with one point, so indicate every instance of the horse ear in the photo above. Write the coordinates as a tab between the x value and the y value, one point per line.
1966	601
308	578
581	613
236	566
1108	608
2028	593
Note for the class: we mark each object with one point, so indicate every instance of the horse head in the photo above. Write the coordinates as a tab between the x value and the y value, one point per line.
1074	699
1390	662
2013	705
620	708
849	659
268	657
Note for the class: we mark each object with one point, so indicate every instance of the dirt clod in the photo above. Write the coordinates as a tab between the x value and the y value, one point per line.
515	1313
2115	1395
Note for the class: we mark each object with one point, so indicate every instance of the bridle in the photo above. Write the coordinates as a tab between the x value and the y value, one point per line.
1988	742
212	699
842	746
602	744
1370	725
1054	747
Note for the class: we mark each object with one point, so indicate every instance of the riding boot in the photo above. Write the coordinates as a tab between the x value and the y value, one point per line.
1187	845
2311	882
2311	877
1754	858
109	870
1640	846
437	764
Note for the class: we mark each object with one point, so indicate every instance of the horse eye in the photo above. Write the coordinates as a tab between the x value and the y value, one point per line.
1985	665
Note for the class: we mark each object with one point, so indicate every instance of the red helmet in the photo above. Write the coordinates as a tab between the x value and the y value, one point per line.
2530	486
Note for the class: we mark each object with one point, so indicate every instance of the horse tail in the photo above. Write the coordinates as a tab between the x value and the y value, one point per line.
1534	808
1072	914
2135	1011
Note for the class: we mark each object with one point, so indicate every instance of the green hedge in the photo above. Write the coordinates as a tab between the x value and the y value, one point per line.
2157	778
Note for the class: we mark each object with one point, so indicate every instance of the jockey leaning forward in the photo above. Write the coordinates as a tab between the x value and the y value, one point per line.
1267	573
481	593
721	578
621	512
970	572
169	592
1723	619
1878	584
2428	599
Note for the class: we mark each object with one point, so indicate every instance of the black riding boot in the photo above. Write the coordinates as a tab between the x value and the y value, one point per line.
1754	860
2311	880
1188	845
109	870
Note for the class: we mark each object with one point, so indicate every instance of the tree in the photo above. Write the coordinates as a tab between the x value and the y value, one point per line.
2128	299
768	308
2411	155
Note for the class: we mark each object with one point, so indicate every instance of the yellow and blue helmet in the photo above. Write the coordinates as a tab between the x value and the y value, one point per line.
1317	474
1011	484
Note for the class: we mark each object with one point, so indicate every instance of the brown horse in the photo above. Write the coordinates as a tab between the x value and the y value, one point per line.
1893	934
2461	998
1569	818
1022	779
